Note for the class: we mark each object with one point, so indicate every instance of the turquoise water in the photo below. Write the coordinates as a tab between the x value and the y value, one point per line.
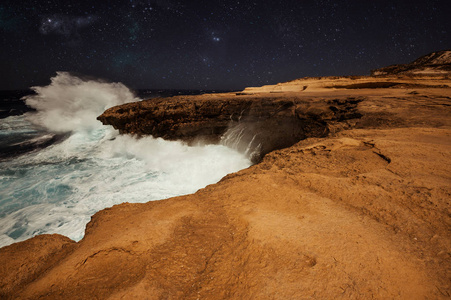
58	188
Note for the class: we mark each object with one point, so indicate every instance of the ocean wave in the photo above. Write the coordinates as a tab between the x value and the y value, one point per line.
59	187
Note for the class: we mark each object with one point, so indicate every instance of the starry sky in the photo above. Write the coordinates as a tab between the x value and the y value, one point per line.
212	44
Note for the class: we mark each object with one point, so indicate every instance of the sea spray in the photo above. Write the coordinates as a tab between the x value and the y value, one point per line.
70	103
58	189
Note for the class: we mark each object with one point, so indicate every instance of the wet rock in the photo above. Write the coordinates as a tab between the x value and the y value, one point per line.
254	125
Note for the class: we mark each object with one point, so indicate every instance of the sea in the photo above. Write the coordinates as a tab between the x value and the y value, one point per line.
59	165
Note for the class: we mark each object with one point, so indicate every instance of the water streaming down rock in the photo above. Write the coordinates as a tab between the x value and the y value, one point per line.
242	138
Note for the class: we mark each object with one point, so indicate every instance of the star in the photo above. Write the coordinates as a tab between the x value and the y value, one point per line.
288	38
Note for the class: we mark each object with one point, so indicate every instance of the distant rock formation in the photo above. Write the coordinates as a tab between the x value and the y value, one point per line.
434	63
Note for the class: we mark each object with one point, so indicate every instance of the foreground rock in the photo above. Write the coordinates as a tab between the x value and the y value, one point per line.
361	213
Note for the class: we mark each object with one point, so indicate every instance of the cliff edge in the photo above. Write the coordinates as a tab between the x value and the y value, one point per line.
357	209
260	120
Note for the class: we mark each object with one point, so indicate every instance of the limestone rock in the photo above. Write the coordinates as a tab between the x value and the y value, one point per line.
262	124
359	209
433	63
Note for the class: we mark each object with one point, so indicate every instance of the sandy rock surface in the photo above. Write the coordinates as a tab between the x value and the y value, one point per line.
361	213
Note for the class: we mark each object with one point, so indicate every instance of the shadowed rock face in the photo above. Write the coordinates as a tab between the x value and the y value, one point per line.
252	125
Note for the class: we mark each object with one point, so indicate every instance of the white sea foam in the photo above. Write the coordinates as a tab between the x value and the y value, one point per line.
72	104
57	189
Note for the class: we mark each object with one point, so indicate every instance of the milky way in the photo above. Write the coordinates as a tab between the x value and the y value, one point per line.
64	25
213	44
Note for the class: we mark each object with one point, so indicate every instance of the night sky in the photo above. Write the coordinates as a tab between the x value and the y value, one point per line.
213	44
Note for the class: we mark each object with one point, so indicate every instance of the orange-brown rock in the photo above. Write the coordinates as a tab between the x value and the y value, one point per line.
362	213
433	63
270	117
270	122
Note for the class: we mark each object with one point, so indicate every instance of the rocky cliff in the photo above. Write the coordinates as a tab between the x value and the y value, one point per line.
260	120
433	63
257	125
360	209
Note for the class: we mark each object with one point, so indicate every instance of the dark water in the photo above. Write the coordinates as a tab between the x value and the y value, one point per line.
11	103
16	135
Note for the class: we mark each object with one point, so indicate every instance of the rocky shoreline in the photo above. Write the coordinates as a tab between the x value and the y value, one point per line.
261	123
260	120
349	199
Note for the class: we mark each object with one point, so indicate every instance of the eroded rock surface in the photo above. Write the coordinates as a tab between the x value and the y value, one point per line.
261	120
361	213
